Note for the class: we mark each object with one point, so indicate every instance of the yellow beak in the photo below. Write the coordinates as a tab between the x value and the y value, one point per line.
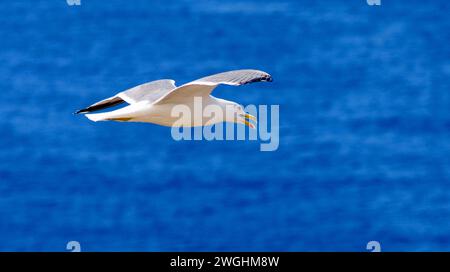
248	117
248	124
251	117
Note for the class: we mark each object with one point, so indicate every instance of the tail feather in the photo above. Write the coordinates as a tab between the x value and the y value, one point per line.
106	117
96	117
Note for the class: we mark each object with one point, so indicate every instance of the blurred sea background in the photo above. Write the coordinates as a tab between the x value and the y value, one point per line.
364	127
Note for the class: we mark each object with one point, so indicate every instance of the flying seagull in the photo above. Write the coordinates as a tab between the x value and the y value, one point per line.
153	102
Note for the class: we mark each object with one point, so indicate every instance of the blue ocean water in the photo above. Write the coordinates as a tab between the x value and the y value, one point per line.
364	127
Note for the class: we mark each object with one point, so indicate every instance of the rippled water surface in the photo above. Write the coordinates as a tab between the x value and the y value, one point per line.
364	127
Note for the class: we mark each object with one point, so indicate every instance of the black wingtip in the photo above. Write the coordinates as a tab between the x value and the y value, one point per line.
267	78
264	78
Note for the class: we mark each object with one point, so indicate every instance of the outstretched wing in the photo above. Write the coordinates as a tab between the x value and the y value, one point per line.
204	86
236	77
150	92
106	103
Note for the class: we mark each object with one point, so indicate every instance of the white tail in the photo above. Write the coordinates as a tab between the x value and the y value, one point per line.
96	117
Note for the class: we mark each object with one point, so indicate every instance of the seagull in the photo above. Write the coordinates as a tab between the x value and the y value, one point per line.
153	102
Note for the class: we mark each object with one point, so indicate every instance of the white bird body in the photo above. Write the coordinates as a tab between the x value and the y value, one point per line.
157	101
162	114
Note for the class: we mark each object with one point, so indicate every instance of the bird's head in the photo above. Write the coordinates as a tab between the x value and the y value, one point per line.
235	113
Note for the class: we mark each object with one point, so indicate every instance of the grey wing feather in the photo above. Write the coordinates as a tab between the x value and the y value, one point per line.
150	92
236	77
205	85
